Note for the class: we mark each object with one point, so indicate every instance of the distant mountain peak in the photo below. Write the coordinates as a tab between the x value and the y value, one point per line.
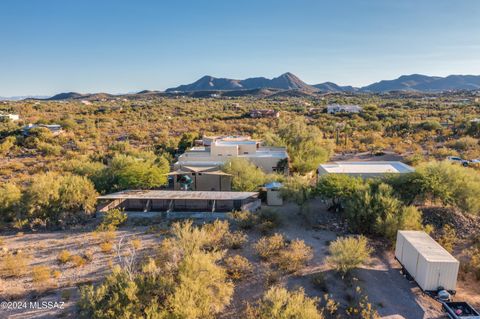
286	81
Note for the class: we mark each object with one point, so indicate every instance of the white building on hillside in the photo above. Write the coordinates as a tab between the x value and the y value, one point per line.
365	169
217	150
11	117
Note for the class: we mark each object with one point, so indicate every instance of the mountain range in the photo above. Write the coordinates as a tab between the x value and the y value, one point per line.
287	84
288	81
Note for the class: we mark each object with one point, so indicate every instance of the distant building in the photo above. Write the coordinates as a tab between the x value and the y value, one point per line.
264	113
217	150
365	169
56	129
10	117
343	108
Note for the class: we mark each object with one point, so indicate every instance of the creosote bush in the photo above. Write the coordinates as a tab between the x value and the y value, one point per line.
347	253
294	256
268	247
185	280
238	267
279	303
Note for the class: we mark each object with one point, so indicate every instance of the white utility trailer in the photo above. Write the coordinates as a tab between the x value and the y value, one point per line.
428	263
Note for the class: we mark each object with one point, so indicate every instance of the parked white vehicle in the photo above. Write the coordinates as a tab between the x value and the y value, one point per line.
458	160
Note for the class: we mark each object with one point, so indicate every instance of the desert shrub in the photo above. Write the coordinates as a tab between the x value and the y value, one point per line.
64	256
368	207
14	265
238	267
41	275
448	237
78	261
268	247
338	187
235	240
120	296
464	143
246	177
190	238
202	289
112	219
296	189
7	145
59	199
347	253
431	125
10	197
451	184
106	247
215	233
405	218
105	236
244	219
268	220
137	171
474	262
294	256
136	243
279	303
360	307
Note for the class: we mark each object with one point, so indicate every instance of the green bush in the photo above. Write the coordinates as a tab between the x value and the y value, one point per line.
112	219
246	177
10	200
278	303
202	290
347	253
448	237
451	184
59	199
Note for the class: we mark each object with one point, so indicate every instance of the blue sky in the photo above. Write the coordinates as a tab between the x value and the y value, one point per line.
52	46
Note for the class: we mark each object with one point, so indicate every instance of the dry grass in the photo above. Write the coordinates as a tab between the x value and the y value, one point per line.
78	261
106	247
64	256
14	265
41	275
136	243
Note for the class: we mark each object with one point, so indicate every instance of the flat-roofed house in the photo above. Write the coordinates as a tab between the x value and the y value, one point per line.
217	150
175	203
365	169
